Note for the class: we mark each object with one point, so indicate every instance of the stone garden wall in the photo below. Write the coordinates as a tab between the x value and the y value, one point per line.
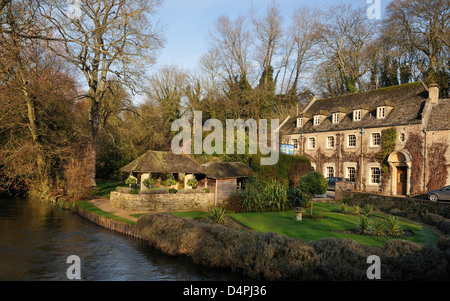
162	202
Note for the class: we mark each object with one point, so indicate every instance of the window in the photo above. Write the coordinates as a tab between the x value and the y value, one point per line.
330	142
299	122
330	172
351	173
376	139
317	120
375	175
295	143
351	141
381	112
356	115
336	118
312	143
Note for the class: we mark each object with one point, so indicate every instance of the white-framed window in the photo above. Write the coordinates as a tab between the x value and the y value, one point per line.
351	140
357	115
295	143
299	122
330	171
312	143
330	142
317	120
375	139
375	175
381	112
351	173
335	118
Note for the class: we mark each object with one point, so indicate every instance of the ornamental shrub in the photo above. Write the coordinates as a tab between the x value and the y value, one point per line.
169	182
192	182
131	181
313	183
149	182
432	219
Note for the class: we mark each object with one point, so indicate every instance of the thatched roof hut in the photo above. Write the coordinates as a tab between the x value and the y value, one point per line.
228	170
226	177
163	162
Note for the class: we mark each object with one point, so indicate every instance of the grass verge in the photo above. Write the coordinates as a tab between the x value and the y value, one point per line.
88	206
333	224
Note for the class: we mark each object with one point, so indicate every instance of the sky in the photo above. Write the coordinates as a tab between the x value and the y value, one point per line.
188	22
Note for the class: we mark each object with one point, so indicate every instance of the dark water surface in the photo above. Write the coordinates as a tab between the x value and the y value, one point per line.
36	238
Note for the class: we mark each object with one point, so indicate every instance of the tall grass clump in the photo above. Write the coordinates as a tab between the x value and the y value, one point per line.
259	196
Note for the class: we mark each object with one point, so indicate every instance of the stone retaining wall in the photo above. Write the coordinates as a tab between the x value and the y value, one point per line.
162	202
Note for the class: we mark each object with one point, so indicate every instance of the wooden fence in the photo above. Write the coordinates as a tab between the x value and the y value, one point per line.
114	225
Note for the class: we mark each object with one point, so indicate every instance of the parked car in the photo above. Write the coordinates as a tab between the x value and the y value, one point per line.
334	182
442	194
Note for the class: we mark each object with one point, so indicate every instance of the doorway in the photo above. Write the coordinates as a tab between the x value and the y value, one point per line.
401	180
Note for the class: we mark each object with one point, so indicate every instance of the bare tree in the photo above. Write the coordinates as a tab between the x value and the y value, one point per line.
109	37
425	27
299	47
347	40
268	33
231	42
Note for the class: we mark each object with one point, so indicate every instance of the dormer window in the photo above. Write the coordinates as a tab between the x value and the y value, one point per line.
381	112
357	115
335	118
299	122
317	120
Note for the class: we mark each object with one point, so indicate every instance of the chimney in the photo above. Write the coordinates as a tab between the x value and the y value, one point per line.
433	93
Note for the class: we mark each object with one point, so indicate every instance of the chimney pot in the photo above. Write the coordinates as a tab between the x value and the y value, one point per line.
433	93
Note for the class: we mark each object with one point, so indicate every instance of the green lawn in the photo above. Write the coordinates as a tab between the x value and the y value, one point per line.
285	223
88	206
103	188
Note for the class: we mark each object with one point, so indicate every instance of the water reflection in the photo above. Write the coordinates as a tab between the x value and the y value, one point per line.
37	238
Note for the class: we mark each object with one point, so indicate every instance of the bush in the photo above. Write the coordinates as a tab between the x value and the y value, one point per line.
363	225
218	215
377	227
392	226
355	209
148	182
206	190
169	182
313	183
131	181
233	203
444	242
367	210
259	196
270	256
444	226
173	190
134	191
432	219
192	182
297	199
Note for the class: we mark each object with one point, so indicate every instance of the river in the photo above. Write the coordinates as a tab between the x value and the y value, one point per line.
36	239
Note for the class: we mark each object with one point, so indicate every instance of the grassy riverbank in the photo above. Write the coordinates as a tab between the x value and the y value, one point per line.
333	224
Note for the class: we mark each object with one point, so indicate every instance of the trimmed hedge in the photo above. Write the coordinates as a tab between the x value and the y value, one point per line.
271	256
414	208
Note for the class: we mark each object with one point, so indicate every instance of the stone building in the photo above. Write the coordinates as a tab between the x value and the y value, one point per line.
343	137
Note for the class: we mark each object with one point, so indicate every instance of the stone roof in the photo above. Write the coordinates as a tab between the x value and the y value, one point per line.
440	115
164	162
407	102
228	170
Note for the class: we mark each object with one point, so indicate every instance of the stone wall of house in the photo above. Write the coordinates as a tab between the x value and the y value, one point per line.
162	202
341	157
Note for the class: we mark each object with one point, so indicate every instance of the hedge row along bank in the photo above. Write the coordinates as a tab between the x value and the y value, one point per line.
269	256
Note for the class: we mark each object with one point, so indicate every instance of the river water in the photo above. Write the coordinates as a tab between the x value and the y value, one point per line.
36	239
